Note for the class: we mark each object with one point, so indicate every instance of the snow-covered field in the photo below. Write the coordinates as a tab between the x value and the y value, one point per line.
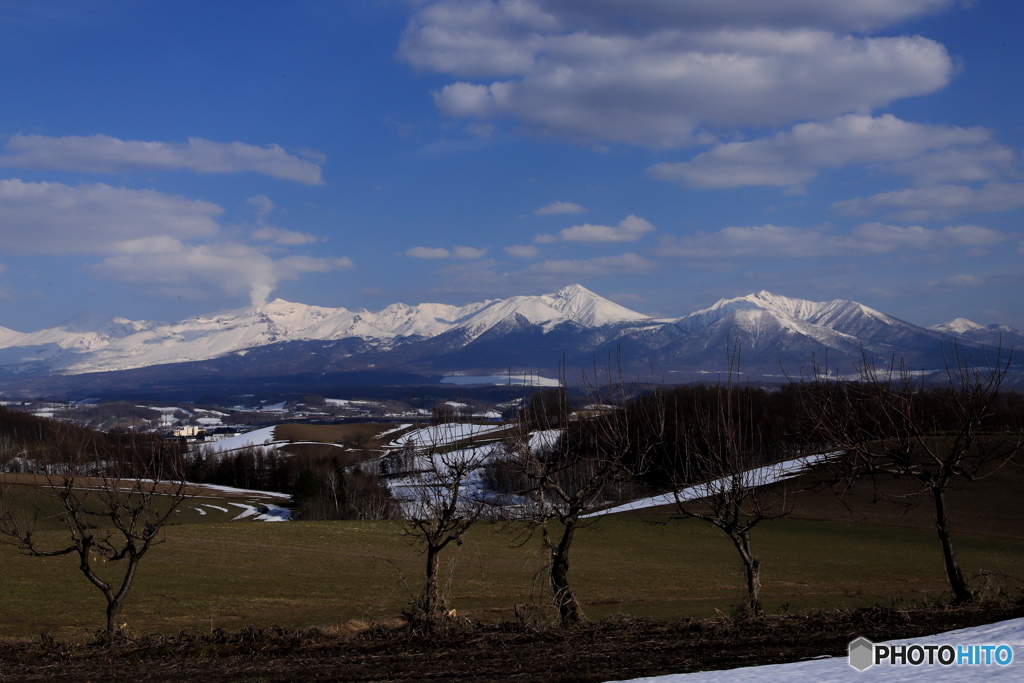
757	477
257	437
838	669
445	434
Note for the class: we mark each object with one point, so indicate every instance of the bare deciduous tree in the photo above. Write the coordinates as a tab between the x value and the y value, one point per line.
583	471
439	501
723	448
892	425
109	518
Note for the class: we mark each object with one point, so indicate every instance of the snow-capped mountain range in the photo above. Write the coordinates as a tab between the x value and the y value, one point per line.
522	332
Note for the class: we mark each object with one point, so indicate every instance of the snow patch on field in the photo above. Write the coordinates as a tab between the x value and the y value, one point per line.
246	492
756	477
838	669
445	434
257	437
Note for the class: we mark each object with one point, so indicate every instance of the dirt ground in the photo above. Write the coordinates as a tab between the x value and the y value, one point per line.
616	649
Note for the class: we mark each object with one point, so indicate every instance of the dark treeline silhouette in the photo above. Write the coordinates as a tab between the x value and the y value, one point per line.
785	422
323	487
29	443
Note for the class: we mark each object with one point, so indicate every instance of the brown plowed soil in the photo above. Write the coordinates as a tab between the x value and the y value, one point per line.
611	650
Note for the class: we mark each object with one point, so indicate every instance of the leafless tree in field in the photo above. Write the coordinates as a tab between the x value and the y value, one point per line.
109	518
576	475
891	425
723	448
439	504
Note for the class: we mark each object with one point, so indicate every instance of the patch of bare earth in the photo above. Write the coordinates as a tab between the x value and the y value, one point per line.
612	649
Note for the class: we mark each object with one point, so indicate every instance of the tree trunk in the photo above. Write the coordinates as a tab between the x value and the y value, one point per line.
569	612
430	600
114	616
753	568
955	578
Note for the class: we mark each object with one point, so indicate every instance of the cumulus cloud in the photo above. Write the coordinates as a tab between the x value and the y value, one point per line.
629	229
232	267
105	154
787	242
465	253
883	238
927	153
54	218
521	251
283	236
152	238
623	264
262	204
428	252
557	208
848	15
655	74
941	202
468	253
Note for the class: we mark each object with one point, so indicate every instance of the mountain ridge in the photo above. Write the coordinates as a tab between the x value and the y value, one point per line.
525	332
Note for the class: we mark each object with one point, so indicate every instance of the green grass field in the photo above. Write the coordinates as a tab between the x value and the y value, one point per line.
323	573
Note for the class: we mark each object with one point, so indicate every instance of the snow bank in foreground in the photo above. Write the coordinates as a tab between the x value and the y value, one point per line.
757	477
838	669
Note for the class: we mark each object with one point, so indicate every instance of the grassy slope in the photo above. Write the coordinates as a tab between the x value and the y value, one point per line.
305	573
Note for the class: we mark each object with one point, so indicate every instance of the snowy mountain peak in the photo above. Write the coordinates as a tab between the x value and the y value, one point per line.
958	326
582	306
102	326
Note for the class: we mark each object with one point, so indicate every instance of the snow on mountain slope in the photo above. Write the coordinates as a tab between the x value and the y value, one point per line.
992	336
958	326
582	306
82	333
486	336
839	315
91	344
6	334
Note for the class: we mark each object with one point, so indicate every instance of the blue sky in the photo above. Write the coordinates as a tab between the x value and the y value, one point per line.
160	160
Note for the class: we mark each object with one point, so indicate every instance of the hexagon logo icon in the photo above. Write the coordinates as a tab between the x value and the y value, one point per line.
862	654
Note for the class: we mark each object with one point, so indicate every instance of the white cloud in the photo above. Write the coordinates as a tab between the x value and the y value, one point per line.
427	252
629	229
927	153
164	242
262	203
465	253
657	73
521	251
168	263
468	253
557	208
105	154
941	202
881	237
768	241
283	236
846	15
624	264
53	218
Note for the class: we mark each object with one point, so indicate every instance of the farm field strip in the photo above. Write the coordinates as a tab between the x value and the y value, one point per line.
323	573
